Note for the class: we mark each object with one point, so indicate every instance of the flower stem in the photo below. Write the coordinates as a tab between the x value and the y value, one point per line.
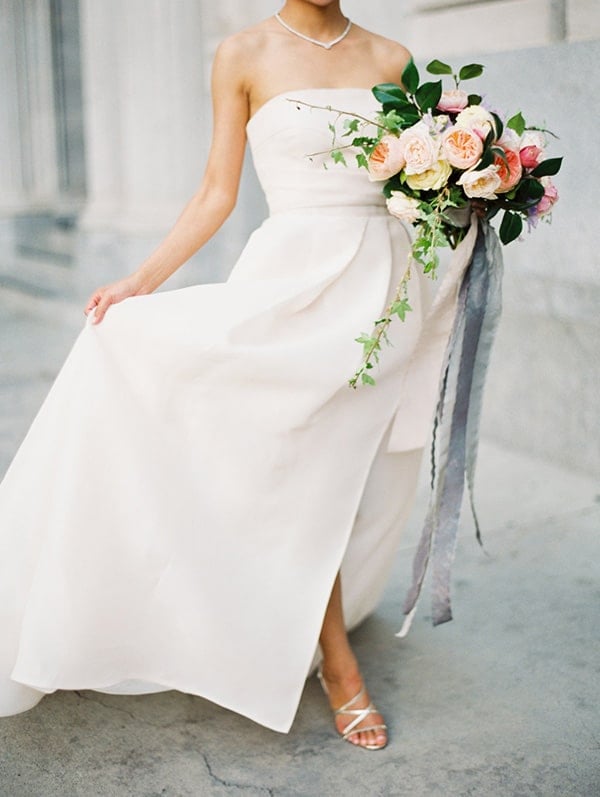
380	330
338	111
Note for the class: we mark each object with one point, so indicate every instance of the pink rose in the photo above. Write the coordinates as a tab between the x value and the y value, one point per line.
387	159
462	148
530	156
420	148
550	197
453	101
510	173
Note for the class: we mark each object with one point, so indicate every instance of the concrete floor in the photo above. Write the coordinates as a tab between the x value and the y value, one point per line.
502	701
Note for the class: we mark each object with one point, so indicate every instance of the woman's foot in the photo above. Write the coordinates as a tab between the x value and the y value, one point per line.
355	716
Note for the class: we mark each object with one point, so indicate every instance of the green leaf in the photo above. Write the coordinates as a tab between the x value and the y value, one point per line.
390	92
547	168
517	123
366	379
361	160
499	125
428	95
405	116
351	126
470	71
436	67
510	227
338	157
331	128
400	308
474	99
410	77
530	188
486	160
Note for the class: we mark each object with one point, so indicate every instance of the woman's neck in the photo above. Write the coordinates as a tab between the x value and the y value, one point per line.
319	22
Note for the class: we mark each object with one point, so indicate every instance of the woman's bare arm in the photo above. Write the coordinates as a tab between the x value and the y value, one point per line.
216	196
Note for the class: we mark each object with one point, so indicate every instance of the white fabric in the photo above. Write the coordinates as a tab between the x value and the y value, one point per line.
199	471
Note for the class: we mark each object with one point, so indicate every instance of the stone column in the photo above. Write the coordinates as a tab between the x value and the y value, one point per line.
28	163
144	87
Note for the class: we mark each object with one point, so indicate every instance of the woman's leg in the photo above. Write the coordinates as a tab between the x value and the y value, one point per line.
341	672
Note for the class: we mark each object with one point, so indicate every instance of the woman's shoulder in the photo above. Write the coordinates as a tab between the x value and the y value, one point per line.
390	55
246	41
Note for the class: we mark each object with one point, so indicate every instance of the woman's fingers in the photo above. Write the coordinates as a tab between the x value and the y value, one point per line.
102	306
93	301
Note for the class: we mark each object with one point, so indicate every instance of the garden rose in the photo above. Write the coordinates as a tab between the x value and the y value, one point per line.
420	148
533	138
453	101
509	140
403	207
461	147
481	184
509	174
545	204
386	159
431	179
531	156
477	119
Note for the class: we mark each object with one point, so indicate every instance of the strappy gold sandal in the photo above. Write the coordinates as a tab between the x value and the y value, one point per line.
359	715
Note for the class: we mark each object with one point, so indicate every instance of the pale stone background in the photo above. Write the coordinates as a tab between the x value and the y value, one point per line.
105	124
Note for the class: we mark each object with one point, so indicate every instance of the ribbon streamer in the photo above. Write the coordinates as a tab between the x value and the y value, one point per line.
456	423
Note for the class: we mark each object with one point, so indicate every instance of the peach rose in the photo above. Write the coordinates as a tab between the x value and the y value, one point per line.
480	184
509	174
461	147
477	119
403	207
420	148
545	204
531	156
386	159
431	179
453	101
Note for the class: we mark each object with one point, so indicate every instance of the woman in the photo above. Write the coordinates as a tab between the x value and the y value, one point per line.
200	468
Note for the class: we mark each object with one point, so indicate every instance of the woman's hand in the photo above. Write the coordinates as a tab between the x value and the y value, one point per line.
102	298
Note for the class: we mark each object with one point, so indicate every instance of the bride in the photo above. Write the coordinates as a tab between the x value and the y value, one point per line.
201	484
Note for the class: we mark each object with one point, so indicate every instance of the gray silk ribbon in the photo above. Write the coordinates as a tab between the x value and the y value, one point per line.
456	423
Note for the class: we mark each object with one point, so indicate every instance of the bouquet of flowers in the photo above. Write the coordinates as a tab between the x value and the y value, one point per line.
449	165
442	154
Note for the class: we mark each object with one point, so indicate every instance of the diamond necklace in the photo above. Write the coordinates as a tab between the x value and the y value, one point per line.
326	45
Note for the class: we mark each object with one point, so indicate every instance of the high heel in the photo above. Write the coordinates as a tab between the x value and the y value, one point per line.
359	715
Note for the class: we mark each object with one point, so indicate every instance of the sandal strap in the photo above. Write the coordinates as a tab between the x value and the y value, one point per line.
348	733
359	715
346	707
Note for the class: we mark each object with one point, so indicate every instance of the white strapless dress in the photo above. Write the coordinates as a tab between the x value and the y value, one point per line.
200	469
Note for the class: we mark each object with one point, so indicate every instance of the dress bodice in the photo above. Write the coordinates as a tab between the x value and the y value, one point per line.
290	146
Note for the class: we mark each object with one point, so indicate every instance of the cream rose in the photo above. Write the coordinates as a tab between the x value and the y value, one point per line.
453	101
481	184
403	207
477	119
386	159
420	148
509	140
461	147
533	138
431	179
